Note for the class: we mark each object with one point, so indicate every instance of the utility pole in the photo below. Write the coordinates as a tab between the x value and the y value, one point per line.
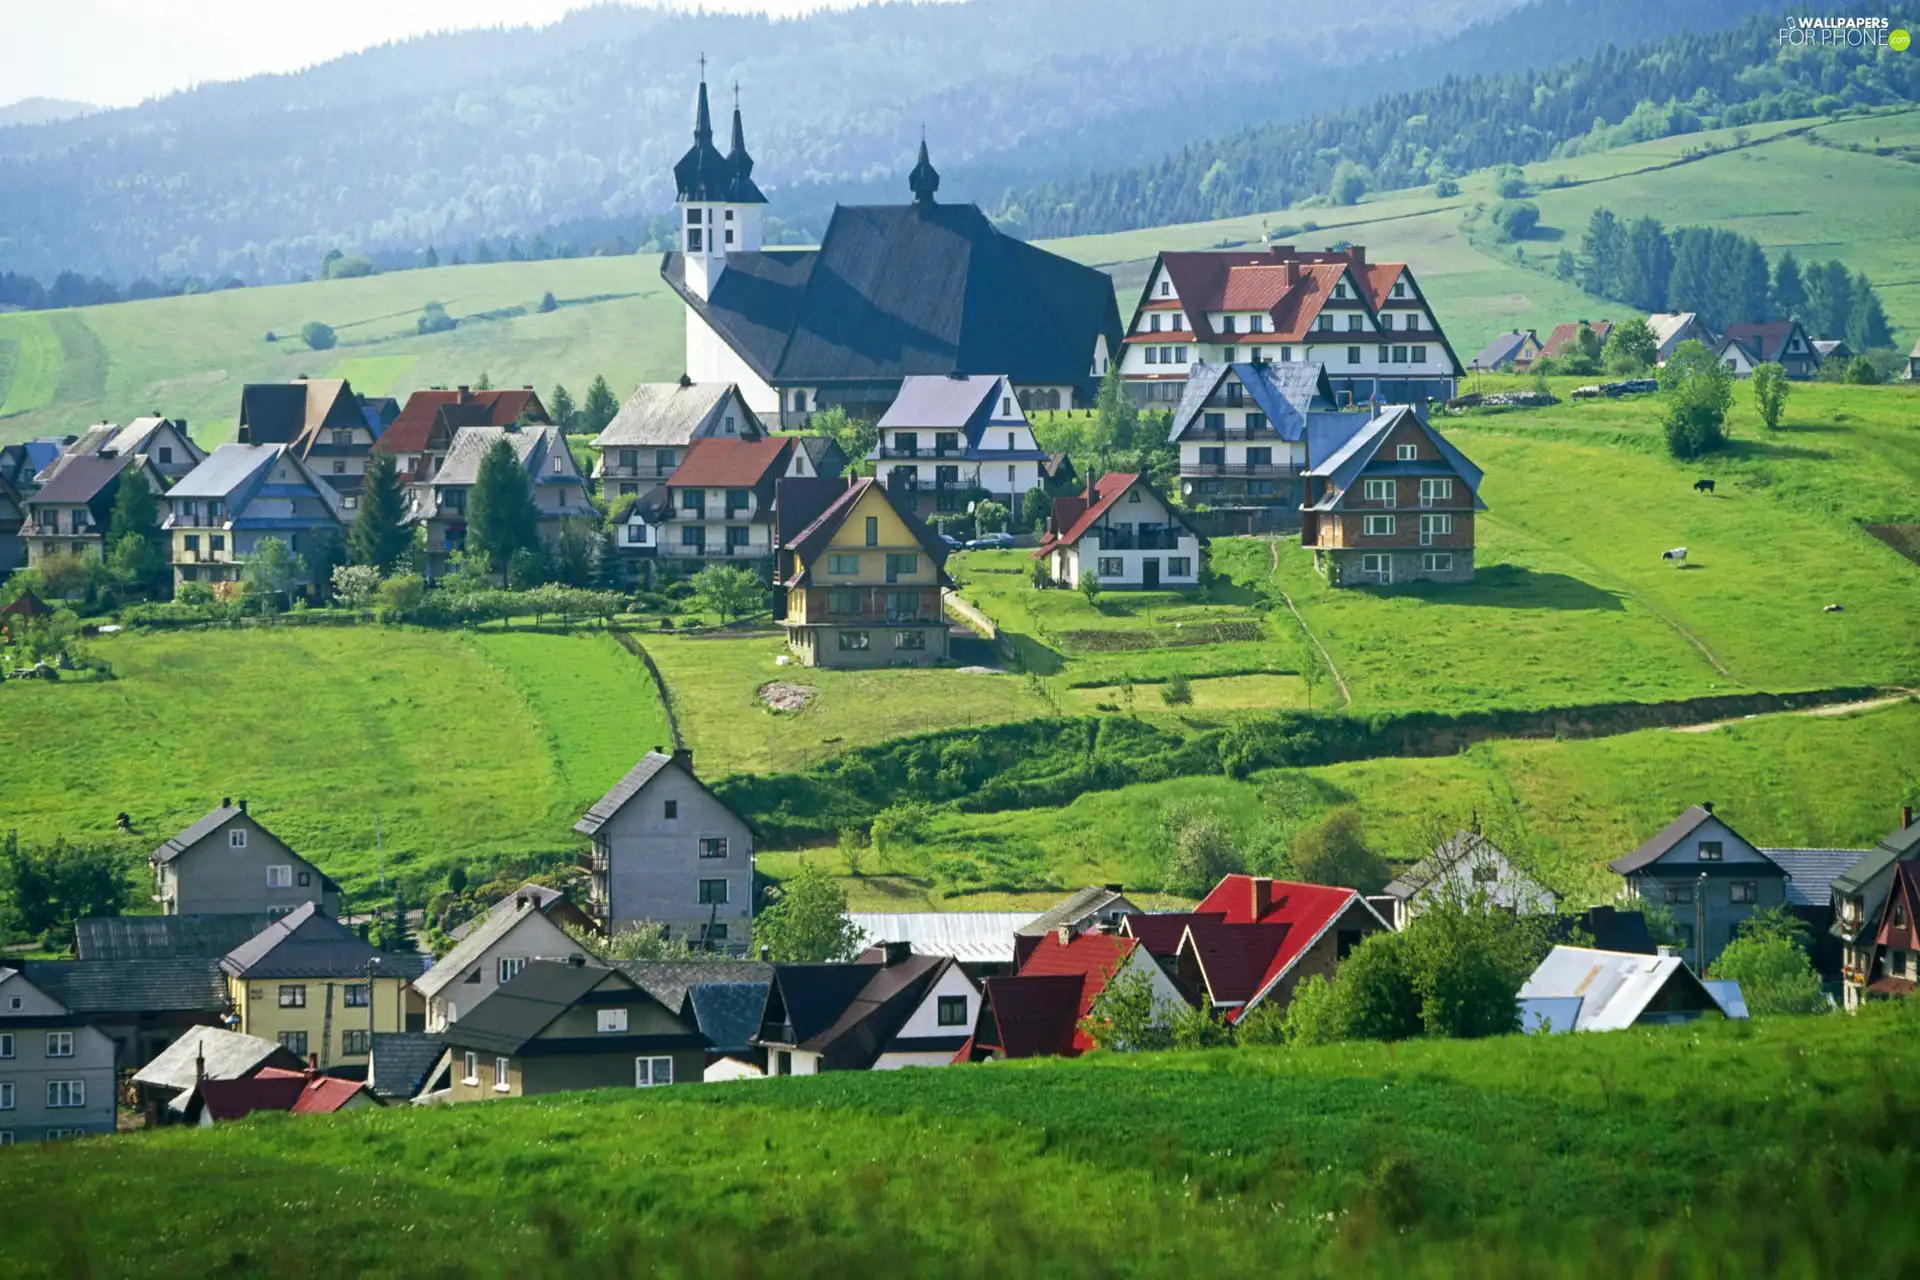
379	853
1700	927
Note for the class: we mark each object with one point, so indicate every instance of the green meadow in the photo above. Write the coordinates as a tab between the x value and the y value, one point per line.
1543	1156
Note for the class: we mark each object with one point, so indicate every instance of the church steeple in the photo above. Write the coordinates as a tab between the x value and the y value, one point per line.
925	179
703	173
743	190
719	204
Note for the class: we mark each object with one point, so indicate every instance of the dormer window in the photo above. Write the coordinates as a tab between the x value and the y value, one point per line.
1226	324
727	424
1166	289
1006	407
1400	289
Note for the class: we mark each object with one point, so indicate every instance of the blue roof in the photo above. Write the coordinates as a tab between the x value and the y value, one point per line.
1346	464
1328	433
1288	393
226	470
41	453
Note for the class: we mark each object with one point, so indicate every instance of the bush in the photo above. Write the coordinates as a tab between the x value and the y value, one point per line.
1446	189
548	303
1698	390
1516	219
1177	691
400	595
318	336
1768	958
1863	371
1199	843
1335	852
434	319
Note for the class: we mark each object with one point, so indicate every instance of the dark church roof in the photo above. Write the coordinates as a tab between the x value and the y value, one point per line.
895	290
742	189
924	181
703	173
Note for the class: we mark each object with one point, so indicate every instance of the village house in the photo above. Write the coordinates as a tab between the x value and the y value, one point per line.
1897	939
1671	328
140	1004
887	1009
721	999
300	1093
1246	433
440	501
164	1087
501	944
421	434
982	941
315	987
1510	352
1740	357
1086	909
71	512
1396	503
863	577
13	514
1041	1011
1126	534
56	1072
1825	349
1582	989
719	503
566	1025
321	421
1859	897
407	1064
1565	342
667	854
647	440
948	436
161	442
227	863
551	903
1912	373
21	463
892	291
217	516
1781	342
1468	868
1367	322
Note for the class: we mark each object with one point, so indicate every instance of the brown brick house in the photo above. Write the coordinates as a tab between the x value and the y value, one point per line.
1394	504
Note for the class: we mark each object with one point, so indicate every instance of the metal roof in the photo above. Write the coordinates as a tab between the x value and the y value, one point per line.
80	479
225	470
727	1013
971	937
602	810
668	981
671	413
1811	872
308	943
228	1055
1614	987
493	927
206	937
941	400
1078	906
188	984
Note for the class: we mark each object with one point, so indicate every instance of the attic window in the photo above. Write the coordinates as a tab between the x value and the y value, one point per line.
1709	851
1133	495
1340	290
727	424
1006	405
236	837
1400	289
1411	453
670	810
1166	289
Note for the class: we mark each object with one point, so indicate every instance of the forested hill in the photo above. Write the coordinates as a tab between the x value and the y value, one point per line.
1644	90
570	130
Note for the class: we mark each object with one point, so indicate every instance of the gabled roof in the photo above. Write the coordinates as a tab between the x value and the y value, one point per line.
80	480
1614	987
459	407
1286	392
672	413
1077	906
668	981
727	1013
1160	932
1306	911
1502	349
215	819
801	500
205	937
531	445
602	810
725	462
492	928
229	473
1663	841
825	453
1905	890
1345	466
515	1014
971	937
551	903
278	1089
1073	518
1567	334
1901	842
1811	872
1767	338
185	984
1668	325
295	412
809	544
25	605
227	1055
1034	1016
951	401
848	1013
401	1061
1238	961
895	290
308	943
1746	349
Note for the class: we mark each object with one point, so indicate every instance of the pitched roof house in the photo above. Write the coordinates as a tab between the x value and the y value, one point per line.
142	1004
228	863
719	502
500	945
1040	1011
301	1093
203	1054
1245	432
13	514
1671	328
1468	867
563	1026
1513	350
56	1070
552	903
1739	355
164	442
240	495
420	437
1781	342
1125	532
1252	940
651	433
863	576
69	514
982	941
320	419
888	1008
1581	989
1897	939
405	1064
1859	896
1395	503
20	463
945	435
1367	322
892	291
205	937
440	500
1565	339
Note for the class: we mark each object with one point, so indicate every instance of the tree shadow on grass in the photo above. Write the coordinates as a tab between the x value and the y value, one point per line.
1512	586
1745	450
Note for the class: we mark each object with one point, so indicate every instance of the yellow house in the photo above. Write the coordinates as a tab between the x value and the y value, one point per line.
863	577
311	985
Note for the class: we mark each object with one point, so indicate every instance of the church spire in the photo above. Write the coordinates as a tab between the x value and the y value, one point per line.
702	174
925	179
743	190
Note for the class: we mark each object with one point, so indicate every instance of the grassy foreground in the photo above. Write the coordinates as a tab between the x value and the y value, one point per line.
1731	1149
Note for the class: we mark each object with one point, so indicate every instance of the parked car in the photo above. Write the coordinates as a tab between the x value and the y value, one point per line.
987	542
953	543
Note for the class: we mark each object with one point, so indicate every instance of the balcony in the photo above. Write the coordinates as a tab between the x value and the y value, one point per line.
1249	470
1149	540
1231	433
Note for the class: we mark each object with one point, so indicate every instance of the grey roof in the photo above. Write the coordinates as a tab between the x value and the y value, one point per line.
308	943
185	984
1661	842
205	937
1727	994
1811	872
1346	463
1498	352
849	1013
1078	906
470	444
79	480
401	1061
668	413
226	470
972	937
1329	433
940	400
492	927
228	1055
825	453
217	818
1614	987
541	896
1449	851
601	811
668	981
516	1013
1287	392
727	1013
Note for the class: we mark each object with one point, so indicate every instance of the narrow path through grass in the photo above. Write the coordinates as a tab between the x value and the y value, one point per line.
1273	576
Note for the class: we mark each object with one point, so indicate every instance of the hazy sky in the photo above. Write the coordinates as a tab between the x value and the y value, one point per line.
119	52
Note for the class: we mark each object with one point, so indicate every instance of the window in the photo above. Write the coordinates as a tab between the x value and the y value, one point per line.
1340	289
1710	851
713	893
509	968
470	1069
953	1011
843	600
1353	355
1165	288
1110	567
190	542
166	454
664	461
1743	891
293	996
1432	527
1226	354
608	1021
1897	963
294	1042
1386	320
6	1044
1153	355
1679	894
670	810
6	1095
873	531
358	997
59	1044
1353	324
1406	452
305	879
714	932
1179	567
1419	355
1436	562
839	562
280	877
1324	324
852	641
356	1042
693	500
339	468
1377	567
1400	288
236	836
1226	324
1377	490
1256	421
350	501
343	437
274	913
910	640
713	847
648	1072
64	1094
739	537
1378	526
1153	324
1179	355
500	1066
1899	915
1432	491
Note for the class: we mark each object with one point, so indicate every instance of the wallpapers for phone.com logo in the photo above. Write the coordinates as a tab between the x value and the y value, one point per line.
1861	33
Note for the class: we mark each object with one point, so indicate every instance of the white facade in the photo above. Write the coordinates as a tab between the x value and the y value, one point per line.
1135	543
532	937
954	991
1005	462
711	359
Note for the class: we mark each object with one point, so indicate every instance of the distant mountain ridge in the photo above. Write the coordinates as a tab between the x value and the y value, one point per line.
28	111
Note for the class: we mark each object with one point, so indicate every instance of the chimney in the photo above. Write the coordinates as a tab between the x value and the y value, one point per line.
522	902
1357	255
1280	250
226	802
243	804
313	1063
1063	934
1292	272
466	394
199	1064
1262	894
1906	816
1708	806
897	952
766	953
577	960
685	380
683	756
1669	952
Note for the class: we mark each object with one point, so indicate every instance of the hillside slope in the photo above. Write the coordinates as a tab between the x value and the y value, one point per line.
1561	1156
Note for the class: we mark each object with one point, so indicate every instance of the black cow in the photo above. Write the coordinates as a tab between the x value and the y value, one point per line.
1703	486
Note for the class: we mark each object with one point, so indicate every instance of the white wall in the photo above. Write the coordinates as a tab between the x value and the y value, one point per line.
925	1020
710	359
533	937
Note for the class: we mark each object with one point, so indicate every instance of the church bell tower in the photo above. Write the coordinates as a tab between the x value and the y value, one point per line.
720	206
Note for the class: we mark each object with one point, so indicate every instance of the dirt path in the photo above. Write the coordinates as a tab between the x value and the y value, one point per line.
1273	576
1830	709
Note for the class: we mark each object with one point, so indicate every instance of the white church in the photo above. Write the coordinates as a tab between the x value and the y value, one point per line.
893	292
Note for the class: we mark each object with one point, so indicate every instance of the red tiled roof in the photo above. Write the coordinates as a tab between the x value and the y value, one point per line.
1289	285
719	462
1160	932
1076	515
325	1095
1766	338
1286	917
409	432
1038	1016
277	1089
1568	334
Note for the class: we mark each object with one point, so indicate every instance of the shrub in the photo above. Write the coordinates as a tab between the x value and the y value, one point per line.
355	585
1768	958
548	303
434	319
1335	852
1199	844
1770	388
318	336
1446	189
1698	390
1863	371
400	595
1177	691
1516	219
1090	586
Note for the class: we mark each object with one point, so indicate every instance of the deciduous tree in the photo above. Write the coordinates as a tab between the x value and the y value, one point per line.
728	591
809	923
1770	388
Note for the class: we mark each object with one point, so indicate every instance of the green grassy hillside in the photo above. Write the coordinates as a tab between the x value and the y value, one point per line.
1794	184
1728	1149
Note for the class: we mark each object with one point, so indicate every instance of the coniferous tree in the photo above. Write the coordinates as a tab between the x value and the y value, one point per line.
501	517
1866	325
600	407
378	537
1649	265
1603	249
134	555
560	405
1789	294
1755	285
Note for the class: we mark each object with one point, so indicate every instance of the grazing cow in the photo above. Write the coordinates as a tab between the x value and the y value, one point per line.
1703	486
1833	608
1678	555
